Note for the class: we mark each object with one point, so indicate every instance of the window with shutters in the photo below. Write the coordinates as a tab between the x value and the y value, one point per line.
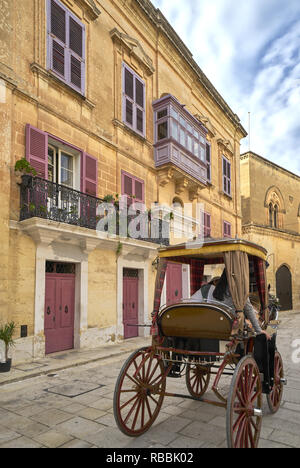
133	101
206	224
133	188
66	45
226	176
60	162
208	161
226	229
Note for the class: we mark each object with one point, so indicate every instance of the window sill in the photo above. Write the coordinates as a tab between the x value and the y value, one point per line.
123	126
230	197
61	85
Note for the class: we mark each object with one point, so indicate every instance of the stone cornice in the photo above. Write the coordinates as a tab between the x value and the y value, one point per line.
161	24
270	232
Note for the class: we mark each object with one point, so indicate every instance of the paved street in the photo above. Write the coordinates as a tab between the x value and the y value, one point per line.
73	408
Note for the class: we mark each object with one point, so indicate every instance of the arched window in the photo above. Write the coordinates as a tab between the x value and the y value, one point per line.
275	208
177	204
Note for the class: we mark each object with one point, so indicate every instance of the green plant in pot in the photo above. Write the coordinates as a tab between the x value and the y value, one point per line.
23	167
6	335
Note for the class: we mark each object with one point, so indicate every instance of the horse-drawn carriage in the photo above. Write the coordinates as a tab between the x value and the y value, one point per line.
201	339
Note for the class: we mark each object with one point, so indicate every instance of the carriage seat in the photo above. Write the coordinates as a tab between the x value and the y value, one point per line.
205	320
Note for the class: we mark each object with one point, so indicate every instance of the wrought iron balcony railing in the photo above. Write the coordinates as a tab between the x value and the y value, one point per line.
44	199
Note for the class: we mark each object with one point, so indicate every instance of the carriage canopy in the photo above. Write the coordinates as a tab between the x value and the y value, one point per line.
235	254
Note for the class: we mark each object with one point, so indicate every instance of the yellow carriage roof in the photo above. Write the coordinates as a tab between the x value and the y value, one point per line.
213	248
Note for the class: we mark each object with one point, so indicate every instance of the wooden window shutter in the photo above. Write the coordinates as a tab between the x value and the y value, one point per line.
133	187
57	44
76	37
76	71
133	100
37	150
139	190
66	45
58	21
89	175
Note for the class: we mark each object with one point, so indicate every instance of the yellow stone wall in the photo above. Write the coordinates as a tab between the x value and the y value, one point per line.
33	95
259	179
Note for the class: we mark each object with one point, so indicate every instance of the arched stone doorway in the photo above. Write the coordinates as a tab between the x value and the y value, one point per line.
284	287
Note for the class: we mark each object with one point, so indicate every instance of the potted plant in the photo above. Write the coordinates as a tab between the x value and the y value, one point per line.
23	167
6	335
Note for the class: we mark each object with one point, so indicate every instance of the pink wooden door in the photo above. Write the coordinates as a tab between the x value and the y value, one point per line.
130	305
174	283
59	312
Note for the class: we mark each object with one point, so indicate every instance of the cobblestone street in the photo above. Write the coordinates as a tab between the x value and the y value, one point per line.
73	408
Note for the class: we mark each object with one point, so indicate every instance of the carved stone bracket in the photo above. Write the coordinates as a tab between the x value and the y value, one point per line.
135	49
194	192
180	185
165	176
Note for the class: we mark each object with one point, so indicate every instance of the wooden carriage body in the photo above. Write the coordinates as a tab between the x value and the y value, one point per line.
186	340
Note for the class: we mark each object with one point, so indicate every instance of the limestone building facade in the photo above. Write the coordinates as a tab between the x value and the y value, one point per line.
271	217
103	99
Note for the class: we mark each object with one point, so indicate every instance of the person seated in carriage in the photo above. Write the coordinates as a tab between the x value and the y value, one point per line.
217	290
206	291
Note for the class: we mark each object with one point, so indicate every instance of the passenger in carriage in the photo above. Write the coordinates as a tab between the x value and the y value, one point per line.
222	294
206	291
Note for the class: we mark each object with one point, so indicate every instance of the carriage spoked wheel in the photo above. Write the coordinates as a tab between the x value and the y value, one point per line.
244	406
275	397
139	392
197	379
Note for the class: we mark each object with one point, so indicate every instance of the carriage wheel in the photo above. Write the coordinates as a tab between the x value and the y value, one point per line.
197	379
275	397
244	414
139	392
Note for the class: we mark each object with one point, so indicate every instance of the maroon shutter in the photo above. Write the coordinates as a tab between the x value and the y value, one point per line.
37	150
139	191
128	185
89	175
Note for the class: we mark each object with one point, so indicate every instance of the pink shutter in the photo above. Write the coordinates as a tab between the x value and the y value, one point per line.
139	190
89	175
37	150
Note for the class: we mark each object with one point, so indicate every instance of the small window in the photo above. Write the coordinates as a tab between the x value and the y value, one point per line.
162	130
133	101
227	229
174	129
226	176
207	224
133	188
182	137
162	113
66	50
208	161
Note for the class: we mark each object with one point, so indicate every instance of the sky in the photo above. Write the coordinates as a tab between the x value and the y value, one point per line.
250	51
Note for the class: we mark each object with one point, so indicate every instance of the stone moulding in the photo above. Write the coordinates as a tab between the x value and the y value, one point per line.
89	6
135	49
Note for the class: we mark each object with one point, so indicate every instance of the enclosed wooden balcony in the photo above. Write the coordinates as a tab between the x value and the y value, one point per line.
180	149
